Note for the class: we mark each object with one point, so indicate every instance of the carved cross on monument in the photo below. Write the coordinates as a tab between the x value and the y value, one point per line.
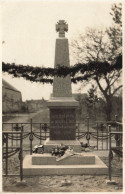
61	27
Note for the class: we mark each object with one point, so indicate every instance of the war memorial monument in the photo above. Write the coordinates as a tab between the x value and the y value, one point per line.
62	107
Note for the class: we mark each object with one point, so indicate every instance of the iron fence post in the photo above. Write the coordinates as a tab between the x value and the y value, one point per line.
97	134
40	133
116	125
45	129
88	124
120	139
16	136
120	130
102	136
109	152
12	136
117	129
88	129
21	157
6	154
107	136
78	129
31	139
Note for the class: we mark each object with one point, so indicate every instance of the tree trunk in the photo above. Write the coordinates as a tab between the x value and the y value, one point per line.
108	108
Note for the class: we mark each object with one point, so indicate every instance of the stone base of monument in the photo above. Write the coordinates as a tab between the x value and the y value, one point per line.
49	144
48	159
46	164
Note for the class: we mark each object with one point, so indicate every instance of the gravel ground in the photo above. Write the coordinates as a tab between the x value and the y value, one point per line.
54	184
78	183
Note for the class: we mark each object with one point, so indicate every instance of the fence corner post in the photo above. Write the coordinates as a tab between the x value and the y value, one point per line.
97	134
109	127
31	138
21	156
88	124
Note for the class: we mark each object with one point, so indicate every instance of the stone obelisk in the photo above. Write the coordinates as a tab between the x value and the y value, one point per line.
62	86
62	105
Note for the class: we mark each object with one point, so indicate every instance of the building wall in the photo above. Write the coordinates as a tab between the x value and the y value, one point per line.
11	100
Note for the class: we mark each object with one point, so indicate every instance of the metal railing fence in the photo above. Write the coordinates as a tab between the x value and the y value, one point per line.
20	137
9	151
118	149
96	135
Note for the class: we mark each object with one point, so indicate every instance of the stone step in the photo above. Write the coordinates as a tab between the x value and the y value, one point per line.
98	168
48	159
74	144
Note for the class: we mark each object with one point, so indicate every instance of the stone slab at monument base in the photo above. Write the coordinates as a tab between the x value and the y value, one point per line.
68	159
35	165
49	144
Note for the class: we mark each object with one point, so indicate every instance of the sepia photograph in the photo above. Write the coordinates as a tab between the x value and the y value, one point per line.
62	96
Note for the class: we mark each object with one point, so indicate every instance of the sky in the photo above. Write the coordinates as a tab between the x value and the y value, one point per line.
28	30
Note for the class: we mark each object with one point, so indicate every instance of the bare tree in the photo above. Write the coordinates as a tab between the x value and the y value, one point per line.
101	45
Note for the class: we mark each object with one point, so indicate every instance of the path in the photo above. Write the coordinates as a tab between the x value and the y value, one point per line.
40	116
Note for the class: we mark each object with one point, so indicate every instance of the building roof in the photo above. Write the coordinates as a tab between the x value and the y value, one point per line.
8	86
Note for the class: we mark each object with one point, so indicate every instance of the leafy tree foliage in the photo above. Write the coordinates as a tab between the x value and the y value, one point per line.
92	96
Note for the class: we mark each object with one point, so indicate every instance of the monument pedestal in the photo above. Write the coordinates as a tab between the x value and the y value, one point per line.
62	118
49	144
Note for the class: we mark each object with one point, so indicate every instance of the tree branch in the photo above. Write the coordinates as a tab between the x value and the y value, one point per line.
117	76
100	87
116	90
108	85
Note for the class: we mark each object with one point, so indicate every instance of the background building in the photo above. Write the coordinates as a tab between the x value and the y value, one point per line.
11	98
35	105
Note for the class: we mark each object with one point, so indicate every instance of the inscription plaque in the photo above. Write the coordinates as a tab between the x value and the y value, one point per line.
62	124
